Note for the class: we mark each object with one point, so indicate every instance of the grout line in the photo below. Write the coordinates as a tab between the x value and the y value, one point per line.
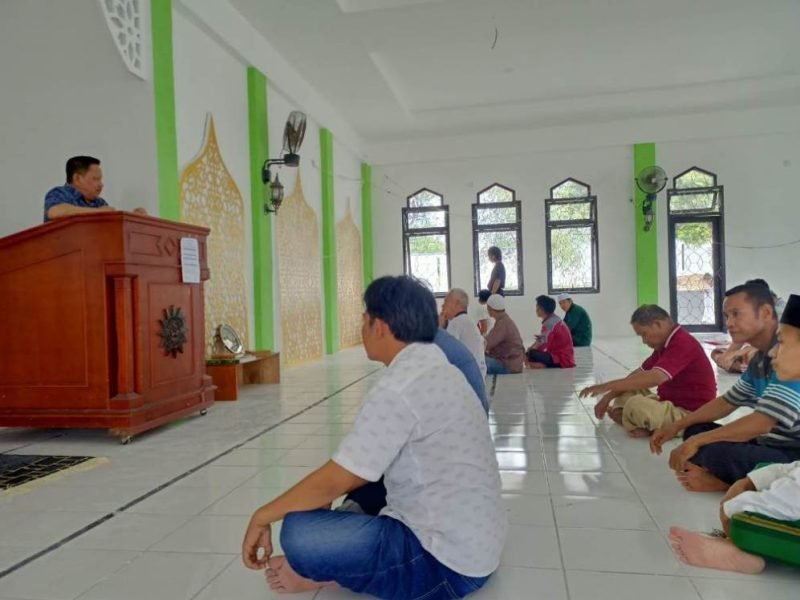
56	545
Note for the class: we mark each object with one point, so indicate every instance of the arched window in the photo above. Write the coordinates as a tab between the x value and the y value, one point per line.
496	221
696	230
571	223
426	239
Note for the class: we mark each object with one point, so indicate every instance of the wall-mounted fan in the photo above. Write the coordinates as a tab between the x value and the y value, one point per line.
293	134
650	180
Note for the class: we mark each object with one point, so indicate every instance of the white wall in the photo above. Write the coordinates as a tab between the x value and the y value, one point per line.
761	188
209	79
346	181
66	91
607	170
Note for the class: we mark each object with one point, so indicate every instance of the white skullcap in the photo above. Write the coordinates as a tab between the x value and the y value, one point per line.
564	296
496	302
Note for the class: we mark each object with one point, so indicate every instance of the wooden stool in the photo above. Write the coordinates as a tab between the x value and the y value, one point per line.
254	367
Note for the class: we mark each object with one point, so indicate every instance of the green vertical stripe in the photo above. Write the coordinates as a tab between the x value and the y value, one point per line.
329	279
263	303
366	222
644	155
164	93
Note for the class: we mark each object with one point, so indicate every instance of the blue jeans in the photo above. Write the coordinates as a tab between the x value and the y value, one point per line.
731	461
379	556
495	367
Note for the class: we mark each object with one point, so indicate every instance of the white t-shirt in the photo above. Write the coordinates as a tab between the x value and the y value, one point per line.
480	313
464	329
423	428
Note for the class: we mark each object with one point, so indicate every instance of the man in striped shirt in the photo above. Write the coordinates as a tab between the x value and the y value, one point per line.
713	456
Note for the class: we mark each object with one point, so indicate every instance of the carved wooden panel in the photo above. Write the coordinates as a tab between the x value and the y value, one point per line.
210	197
299	265
351	283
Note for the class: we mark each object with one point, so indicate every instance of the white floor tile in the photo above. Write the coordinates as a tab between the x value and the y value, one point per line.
243	501
613	485
595	462
65	574
511	583
761	587
529	510
601	513
179	501
520	461
524	482
160	576
585	585
529	546
251	457
306	457
129	531
41	529
645	552
212	534
237	582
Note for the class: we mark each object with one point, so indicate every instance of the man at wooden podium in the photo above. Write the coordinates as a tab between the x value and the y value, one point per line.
81	193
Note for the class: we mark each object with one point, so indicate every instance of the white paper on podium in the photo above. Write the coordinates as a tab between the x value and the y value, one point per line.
190	260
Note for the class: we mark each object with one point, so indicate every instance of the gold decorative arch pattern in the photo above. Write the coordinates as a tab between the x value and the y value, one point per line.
351	283
211	198
300	276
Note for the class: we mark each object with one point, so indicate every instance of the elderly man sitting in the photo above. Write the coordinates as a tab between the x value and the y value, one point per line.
578	321
459	324
505	352
678	366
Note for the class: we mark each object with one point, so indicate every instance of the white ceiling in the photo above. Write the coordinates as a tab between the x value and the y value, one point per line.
411	69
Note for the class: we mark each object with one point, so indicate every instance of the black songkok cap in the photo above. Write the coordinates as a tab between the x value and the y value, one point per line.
791	314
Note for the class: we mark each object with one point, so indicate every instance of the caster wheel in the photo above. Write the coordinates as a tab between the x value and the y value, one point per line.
204	412
126	440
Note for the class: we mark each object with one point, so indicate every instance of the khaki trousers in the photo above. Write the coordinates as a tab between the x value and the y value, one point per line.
645	410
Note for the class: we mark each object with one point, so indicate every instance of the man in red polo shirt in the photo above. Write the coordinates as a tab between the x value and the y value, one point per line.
678	367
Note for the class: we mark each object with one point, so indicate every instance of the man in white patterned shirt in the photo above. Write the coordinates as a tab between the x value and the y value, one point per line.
422	427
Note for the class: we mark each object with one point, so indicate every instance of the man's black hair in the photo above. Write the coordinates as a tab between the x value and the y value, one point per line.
78	165
406	305
547	304
757	294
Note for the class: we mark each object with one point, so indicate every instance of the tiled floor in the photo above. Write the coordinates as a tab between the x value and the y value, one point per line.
163	518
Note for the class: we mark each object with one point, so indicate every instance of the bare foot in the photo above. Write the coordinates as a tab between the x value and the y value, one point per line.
639	433
712	553
283	579
536	365
697	479
615	414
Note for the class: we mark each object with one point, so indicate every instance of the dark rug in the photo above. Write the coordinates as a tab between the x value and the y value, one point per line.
16	469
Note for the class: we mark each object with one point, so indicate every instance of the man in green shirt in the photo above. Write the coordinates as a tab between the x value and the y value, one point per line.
578	321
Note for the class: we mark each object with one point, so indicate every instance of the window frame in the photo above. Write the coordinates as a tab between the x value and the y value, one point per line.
591	223
714	216
411	232
515	227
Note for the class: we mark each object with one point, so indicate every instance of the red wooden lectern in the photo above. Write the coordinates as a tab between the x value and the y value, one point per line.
97	328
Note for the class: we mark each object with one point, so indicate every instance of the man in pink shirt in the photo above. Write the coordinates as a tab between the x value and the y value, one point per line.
553	348
678	367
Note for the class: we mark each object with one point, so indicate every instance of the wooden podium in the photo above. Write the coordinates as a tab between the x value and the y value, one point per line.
98	328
